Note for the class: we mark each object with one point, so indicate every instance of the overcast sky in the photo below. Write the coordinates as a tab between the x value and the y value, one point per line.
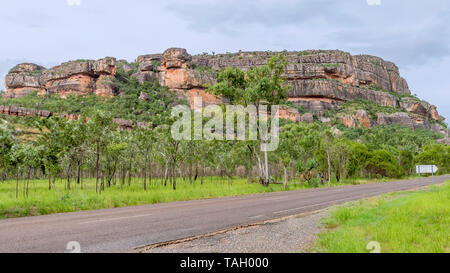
415	34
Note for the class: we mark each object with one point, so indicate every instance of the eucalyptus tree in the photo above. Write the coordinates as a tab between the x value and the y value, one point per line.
340	155
99	127
52	140
145	141
7	142
263	85
325	150
113	150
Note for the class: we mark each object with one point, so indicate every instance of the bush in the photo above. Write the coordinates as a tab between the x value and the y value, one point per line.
435	154
383	163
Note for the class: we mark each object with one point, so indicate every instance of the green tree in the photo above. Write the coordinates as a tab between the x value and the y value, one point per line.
435	154
256	86
381	162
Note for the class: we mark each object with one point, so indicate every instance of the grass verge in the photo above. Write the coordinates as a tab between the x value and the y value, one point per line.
41	201
403	222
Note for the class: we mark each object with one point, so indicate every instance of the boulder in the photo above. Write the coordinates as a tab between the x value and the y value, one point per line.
123	64
124	124
291	114
336	132
146	76
24	79
105	66
308	118
175	58
144	96
68	69
348	121
363	118
150	58
185	78
400	118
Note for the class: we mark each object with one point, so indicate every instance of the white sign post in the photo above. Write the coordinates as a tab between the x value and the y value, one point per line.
427	169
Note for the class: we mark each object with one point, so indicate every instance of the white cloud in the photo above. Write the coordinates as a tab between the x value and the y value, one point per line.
73	2
374	2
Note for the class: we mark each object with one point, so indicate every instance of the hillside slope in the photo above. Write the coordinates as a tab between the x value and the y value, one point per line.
327	85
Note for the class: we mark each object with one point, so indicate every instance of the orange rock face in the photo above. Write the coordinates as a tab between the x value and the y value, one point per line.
23	91
434	113
79	84
176	75
207	98
290	114
363	118
105	86
348	121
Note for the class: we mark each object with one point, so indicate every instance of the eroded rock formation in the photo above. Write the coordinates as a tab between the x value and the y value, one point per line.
23	79
25	112
81	77
321	80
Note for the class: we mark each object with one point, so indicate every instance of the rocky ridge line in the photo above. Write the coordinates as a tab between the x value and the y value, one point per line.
321	80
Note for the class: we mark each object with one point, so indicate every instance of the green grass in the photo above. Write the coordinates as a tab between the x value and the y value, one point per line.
41	201
405	222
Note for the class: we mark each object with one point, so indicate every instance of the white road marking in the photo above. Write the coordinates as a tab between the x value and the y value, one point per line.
315	205
114	219
257	216
354	198
276	198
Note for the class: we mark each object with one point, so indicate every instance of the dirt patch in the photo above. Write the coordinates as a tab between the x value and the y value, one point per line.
289	235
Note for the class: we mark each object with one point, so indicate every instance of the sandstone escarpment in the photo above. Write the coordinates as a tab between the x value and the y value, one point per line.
81	77
321	80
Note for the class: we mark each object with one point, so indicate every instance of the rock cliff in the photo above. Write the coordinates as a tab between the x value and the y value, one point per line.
321	80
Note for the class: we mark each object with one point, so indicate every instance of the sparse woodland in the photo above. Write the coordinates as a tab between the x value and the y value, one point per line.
96	151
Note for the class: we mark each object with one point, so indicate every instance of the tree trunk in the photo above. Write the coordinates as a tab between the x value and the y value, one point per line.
68	178
97	162
78	172
285	178
203	171
17	185
102	184
329	169
174	178
267	168
145	175
166	173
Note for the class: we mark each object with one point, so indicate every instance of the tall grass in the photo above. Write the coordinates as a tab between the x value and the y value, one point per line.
41	201
412	222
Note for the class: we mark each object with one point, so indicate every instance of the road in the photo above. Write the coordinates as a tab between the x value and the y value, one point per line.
125	229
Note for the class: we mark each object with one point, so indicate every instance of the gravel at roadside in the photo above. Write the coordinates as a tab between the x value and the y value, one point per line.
291	235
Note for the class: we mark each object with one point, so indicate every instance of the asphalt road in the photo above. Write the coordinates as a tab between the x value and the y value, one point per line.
124	229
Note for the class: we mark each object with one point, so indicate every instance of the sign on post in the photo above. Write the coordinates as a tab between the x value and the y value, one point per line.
427	169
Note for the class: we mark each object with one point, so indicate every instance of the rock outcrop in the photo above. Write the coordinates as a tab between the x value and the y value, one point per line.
25	112
81	77
321	80
23	79
176	73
